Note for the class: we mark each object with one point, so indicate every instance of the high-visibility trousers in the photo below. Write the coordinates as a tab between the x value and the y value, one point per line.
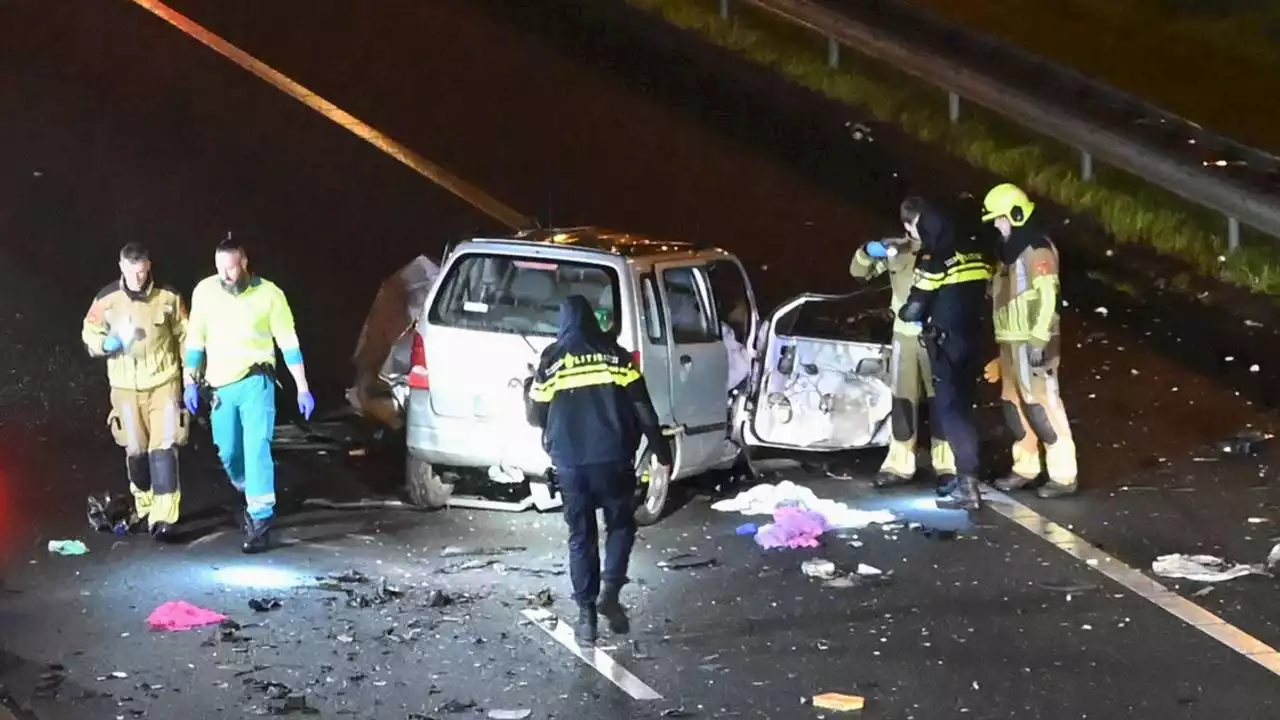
910	376
243	420
151	425
1034	412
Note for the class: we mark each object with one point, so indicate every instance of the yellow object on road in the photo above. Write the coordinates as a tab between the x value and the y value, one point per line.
838	702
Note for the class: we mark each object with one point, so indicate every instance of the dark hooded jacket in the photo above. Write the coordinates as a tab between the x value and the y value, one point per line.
950	289
589	397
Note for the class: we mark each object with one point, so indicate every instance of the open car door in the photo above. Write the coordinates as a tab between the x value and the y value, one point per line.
821	376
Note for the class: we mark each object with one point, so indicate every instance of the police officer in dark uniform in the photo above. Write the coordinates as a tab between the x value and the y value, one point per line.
948	298
593	406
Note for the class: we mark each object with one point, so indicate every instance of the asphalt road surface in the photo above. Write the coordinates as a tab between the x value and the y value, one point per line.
115	127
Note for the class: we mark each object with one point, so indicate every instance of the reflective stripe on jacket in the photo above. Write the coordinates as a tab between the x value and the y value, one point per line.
1025	295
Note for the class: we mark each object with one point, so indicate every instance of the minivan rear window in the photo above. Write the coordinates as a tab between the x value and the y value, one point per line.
502	293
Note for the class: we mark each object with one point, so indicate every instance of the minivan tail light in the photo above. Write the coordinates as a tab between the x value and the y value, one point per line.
635	358
418	379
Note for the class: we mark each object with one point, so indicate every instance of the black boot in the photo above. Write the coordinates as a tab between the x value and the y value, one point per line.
885	480
965	496
946	485
1053	489
162	532
257	537
612	610
587	623
1012	482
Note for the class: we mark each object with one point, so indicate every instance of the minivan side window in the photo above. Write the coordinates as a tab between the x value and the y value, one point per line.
519	295
654	322
692	317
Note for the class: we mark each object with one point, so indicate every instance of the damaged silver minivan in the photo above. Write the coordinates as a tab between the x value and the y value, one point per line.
679	309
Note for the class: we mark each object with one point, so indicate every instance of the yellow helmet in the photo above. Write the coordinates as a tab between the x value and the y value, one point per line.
1007	200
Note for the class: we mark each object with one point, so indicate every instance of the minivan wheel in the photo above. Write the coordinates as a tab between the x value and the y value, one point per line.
651	495
424	485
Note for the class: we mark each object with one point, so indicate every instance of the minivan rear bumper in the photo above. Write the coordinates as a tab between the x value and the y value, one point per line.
472	442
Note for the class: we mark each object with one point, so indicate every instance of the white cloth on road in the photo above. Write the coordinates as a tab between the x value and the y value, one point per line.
1201	568
765	499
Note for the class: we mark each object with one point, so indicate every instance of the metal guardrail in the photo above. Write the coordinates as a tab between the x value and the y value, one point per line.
1099	121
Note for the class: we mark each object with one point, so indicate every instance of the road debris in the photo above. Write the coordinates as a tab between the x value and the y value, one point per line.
868	571
181	615
117	675
686	561
521	714
543	598
747	529
109	513
838	702
68	547
438	599
457	706
819	568
766	499
264	604
1202	568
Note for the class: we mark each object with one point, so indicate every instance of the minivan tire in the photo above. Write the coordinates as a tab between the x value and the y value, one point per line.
651	498
425	487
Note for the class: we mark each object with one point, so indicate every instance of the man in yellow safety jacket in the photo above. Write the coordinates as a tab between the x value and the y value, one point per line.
237	320
910	371
139	328
1026	298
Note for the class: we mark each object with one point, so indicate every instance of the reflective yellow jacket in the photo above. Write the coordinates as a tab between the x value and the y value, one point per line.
229	334
901	269
1025	292
154	319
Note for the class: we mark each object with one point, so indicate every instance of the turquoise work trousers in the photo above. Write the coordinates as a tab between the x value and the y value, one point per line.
244	421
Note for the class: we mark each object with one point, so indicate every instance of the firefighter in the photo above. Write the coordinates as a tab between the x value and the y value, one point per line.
139	328
593	406
237	319
947	298
910	372
1026	301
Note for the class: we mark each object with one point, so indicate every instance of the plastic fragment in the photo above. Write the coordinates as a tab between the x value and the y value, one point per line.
839	702
68	547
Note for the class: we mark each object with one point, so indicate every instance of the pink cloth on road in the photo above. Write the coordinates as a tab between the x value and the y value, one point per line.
179	615
792	527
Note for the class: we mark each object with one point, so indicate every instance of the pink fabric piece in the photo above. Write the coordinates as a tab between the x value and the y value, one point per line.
792	528
179	615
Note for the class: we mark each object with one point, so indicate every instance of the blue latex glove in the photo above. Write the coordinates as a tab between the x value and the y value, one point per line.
191	398
112	344
306	404
876	249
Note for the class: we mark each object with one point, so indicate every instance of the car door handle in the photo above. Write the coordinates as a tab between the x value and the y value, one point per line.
686	360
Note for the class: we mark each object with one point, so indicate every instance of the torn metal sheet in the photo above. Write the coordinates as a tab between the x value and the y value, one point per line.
382	354
476	502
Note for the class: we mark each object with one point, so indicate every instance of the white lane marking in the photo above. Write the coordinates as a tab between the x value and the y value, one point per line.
1168	600
473	195
613	672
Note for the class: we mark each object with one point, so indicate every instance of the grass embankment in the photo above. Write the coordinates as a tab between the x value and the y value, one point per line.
1212	62
1129	209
